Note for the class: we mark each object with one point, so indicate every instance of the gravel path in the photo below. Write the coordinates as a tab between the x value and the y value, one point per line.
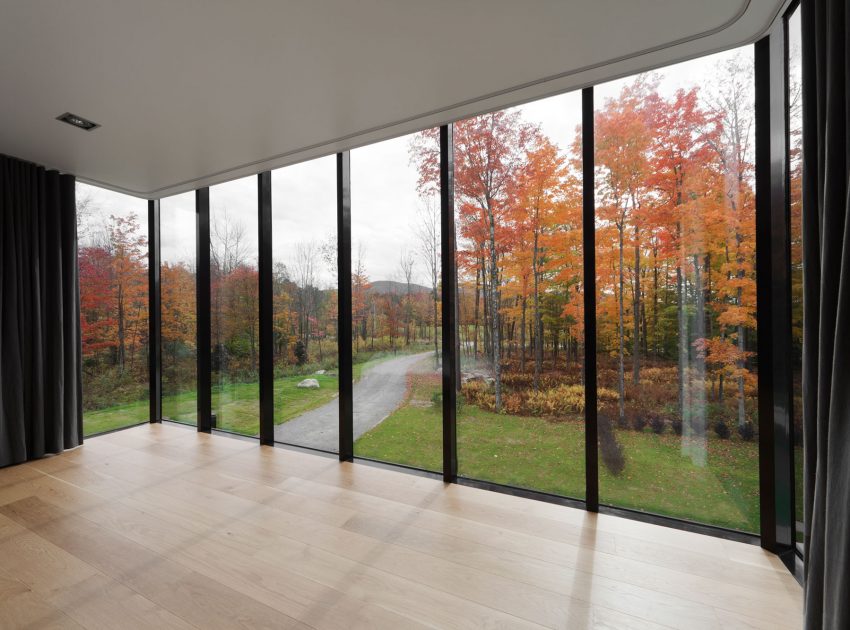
377	394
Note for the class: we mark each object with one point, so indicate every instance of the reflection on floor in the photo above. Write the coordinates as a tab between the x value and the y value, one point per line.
158	526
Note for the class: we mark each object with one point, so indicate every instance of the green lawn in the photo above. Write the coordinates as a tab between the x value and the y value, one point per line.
549	456
236	406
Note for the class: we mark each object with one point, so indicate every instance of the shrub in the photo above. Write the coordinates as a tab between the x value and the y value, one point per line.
612	450
722	430
747	431
656	423
478	394
638	421
437	398
676	425
300	353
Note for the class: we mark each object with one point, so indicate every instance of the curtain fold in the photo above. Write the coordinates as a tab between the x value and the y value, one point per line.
826	329
40	354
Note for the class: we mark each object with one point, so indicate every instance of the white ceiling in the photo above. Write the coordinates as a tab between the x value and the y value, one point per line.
194	92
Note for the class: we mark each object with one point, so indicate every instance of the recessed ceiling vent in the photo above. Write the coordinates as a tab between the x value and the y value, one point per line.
77	121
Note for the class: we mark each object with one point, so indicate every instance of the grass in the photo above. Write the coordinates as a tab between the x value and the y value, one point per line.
236	405
548	456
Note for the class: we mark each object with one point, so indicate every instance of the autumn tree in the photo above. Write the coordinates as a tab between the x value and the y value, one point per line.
736	284
534	194
406	262
428	235
683	132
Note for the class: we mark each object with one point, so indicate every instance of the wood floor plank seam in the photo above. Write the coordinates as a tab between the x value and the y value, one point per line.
696	599
536	587
334	544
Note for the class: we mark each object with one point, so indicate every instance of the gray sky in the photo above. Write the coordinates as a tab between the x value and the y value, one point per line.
104	203
177	229
384	201
385	209
304	211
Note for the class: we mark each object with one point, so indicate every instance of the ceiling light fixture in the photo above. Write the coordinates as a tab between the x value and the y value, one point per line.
77	121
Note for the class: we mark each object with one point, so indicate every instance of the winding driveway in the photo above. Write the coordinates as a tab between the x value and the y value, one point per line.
377	394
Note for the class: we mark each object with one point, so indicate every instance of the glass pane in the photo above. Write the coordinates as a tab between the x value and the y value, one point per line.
306	407
518	211
177	290
113	257
395	235
234	294
675	238
795	158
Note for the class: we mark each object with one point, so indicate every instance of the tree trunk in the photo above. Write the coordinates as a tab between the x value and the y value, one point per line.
475	315
742	413
538	321
522	338
436	347
655	348
122	349
494	310
698	451
621	376
636	315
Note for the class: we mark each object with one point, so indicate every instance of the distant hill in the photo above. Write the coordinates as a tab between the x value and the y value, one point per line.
391	287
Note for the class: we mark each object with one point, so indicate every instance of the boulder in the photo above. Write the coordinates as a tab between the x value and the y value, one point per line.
319	372
309	383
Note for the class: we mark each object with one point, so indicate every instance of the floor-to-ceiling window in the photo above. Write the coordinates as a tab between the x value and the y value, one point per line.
676	291
234	300
518	207
178	321
306	361
395	284
113	263
795	197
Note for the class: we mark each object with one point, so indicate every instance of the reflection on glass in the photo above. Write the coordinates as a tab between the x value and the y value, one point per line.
113	265
795	195
676	286
306	407
518	211
395	235
177	290
234	295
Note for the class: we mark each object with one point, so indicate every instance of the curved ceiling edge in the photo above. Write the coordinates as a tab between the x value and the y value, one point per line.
523	93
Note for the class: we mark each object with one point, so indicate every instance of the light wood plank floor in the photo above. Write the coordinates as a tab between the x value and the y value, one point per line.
160	527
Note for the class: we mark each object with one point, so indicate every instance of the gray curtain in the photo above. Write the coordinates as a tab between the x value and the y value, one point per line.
826	330
40	364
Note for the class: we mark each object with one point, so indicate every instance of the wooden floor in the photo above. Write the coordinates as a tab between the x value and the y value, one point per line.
161	527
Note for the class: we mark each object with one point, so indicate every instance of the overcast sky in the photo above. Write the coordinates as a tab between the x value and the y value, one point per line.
384	201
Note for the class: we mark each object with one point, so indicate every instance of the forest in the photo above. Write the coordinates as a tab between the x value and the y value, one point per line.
675	256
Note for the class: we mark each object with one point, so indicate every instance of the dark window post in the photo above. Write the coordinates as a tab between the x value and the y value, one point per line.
203	307
591	446
765	291
346	385
266	288
773	275
154	313
451	356
780	253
